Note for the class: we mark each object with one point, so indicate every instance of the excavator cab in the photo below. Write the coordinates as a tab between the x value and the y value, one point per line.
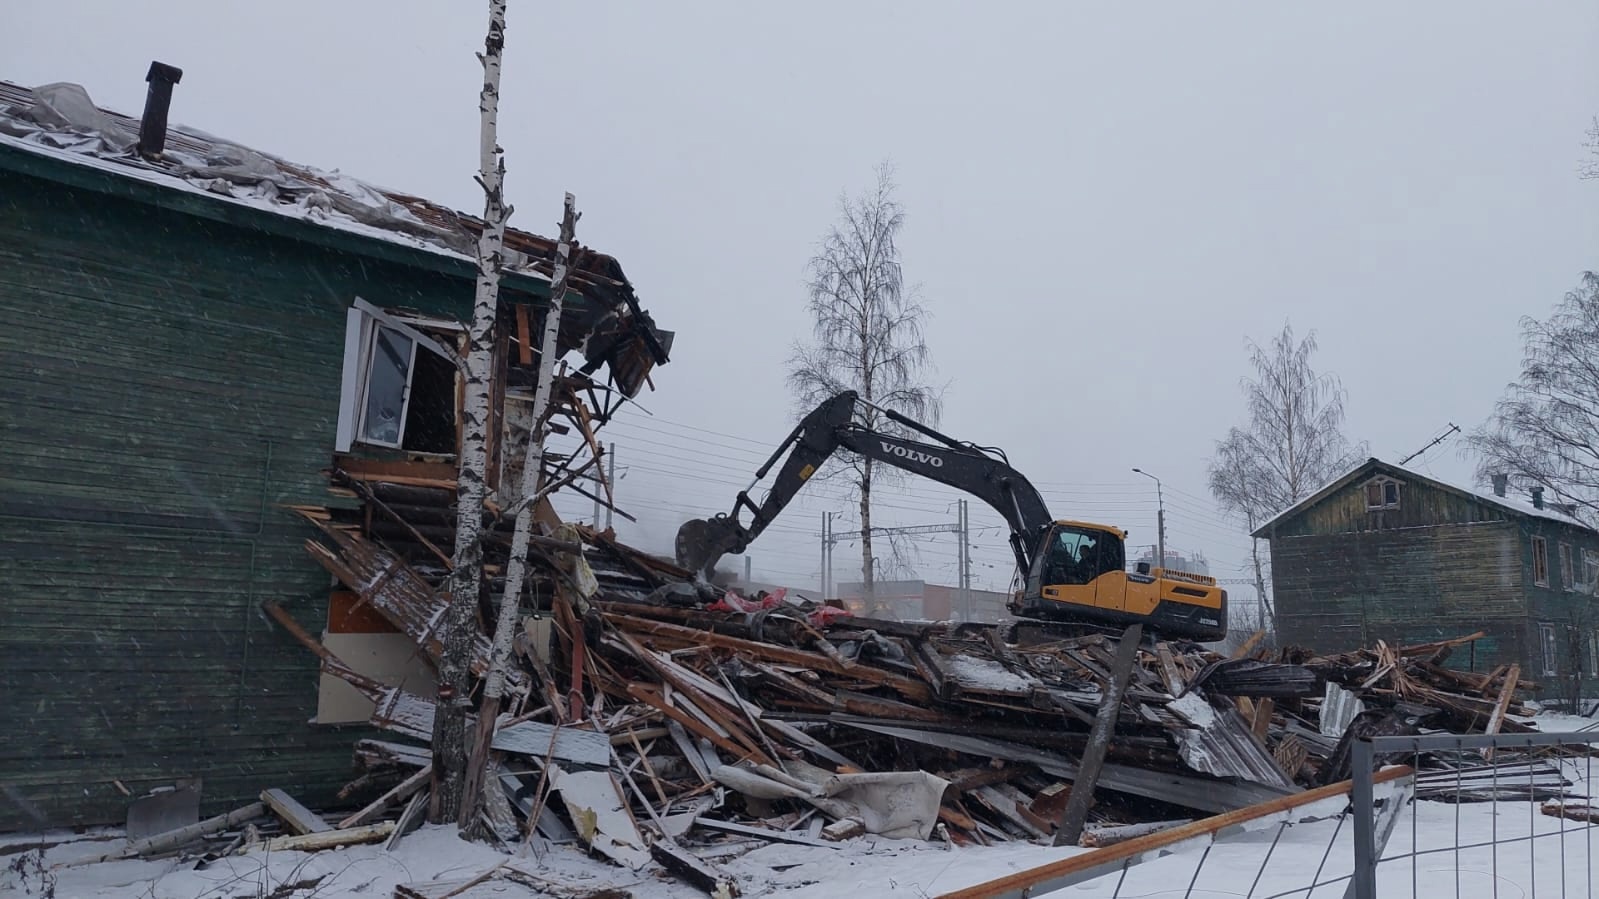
1080	573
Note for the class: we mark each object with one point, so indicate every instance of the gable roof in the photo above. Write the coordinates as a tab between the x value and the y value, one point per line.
1375	466
56	131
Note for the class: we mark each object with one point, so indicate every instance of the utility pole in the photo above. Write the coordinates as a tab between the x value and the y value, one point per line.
964	559
610	478
1160	519
747	567
827	555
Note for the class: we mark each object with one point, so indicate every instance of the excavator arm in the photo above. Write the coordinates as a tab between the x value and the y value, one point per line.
831	426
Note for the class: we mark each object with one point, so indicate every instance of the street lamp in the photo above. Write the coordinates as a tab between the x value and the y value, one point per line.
1160	517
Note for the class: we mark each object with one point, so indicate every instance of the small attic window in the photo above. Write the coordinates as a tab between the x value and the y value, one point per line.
1382	493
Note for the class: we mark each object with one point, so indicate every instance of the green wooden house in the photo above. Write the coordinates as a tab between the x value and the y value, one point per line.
1384	553
182	323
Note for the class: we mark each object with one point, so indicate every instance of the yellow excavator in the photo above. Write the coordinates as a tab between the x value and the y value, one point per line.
1072	571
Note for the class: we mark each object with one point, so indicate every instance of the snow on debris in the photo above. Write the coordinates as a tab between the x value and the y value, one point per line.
986	674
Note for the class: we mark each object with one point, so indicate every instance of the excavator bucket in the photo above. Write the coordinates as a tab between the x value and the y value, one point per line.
702	542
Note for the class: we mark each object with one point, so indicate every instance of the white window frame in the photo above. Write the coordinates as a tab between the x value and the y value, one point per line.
362	322
1593	653
363	404
1538	542
1548	650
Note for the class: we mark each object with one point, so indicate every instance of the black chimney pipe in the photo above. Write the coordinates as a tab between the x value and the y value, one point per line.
157	100
1537	497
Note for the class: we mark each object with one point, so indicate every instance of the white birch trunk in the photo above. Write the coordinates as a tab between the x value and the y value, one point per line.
459	626
516	568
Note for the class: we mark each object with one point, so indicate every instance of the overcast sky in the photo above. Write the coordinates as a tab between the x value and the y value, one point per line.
1104	201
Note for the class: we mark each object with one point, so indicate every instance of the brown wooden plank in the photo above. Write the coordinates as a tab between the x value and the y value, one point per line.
399	793
1497	719
1082	795
908	687
524	336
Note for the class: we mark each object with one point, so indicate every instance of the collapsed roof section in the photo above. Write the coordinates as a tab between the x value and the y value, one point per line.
608	327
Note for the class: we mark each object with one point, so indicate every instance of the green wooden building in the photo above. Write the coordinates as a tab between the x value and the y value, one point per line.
1384	553
178	333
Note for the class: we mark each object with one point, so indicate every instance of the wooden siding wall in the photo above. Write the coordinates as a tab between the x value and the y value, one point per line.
167	383
1557	605
1338	591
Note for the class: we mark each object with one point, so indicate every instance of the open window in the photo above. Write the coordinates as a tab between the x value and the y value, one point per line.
398	389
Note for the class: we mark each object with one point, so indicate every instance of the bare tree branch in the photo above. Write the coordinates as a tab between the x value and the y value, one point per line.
1544	432
1589	168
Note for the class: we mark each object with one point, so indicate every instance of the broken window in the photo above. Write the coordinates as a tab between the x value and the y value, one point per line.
1568	580
398	390
1540	561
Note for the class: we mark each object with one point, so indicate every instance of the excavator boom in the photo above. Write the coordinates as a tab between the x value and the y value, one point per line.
830	427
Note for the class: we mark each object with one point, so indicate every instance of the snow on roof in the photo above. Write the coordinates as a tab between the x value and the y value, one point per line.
60	122
1512	504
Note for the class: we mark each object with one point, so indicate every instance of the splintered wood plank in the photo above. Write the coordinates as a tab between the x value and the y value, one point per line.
780	836
312	842
691	868
1497	719
397	794
300	819
1168	668
524	336
1249	645
582	747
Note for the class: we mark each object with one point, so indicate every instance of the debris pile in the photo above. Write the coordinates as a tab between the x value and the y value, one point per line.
649	700
654	718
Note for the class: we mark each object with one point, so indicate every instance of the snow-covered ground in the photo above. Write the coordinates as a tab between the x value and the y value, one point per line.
1560	862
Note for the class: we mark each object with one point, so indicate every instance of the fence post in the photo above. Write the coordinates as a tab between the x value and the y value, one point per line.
1363	802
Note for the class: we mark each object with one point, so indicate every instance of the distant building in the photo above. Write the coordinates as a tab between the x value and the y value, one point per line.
1384	553
921	601
1177	560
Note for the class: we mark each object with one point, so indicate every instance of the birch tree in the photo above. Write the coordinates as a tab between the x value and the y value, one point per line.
516	566
1544	432
1292	444
458	631
867	333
